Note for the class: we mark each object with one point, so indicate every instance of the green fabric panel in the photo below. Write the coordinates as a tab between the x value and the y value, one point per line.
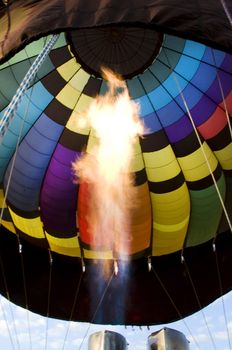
3	101
33	50
149	81
21	69
35	47
206	212
45	69
172	47
61	41
10	85
174	42
13	76
160	69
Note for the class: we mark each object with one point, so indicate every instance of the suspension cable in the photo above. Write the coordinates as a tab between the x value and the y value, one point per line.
198	301
221	295
29	77
214	181
201	145
72	310
97	308
8	327
4	204
227	12
5	122
222	94
174	306
49	296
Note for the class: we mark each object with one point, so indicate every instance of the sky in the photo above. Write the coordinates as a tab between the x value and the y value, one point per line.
21	329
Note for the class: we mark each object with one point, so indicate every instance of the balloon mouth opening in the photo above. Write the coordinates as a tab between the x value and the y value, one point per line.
128	51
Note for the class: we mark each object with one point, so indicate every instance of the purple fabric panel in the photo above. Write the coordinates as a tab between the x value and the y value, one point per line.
169	114
203	110
226	65
226	82
59	192
179	130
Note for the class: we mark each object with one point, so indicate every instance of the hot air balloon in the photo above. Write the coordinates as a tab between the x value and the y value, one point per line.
175	58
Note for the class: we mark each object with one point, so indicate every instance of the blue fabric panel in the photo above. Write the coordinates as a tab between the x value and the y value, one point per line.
32	160
145	106
151	123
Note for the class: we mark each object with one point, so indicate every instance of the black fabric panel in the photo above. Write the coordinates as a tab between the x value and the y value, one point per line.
58	112
74	141
92	88
189	19
53	82
135	256
223	226
221	140
154	142
227	173
6	215
206	181
138	297
40	242
186	146
60	56
24	214
168	185
140	177
61	234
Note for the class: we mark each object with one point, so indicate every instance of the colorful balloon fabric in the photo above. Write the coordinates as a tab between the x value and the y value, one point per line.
182	168
169	164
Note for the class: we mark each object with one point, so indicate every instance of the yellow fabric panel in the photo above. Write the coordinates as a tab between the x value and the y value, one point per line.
8	225
161	165
171	212
65	246
167	172
83	104
137	163
75	124
92	143
194	165
68	69
79	80
139	237
31	227
174	240
2	198
159	158
90	254
68	96
224	157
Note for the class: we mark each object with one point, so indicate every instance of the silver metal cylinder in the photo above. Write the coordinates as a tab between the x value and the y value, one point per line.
167	339
107	340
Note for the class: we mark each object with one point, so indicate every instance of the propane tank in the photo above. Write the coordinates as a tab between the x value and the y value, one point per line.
167	339
107	340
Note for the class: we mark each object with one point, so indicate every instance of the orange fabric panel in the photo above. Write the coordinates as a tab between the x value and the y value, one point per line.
139	237
121	243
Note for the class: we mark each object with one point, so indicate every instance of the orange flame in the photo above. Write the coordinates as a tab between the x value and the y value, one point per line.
114	121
